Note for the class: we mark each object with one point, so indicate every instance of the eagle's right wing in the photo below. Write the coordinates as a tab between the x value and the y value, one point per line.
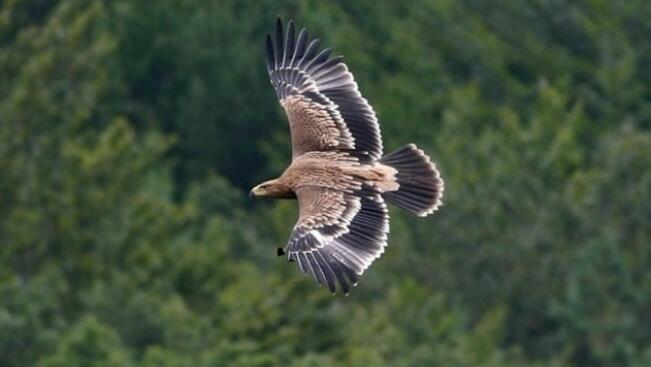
338	234
321	98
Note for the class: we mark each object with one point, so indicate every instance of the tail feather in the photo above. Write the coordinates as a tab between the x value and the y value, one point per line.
421	185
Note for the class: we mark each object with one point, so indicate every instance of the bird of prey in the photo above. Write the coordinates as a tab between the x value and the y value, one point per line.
338	173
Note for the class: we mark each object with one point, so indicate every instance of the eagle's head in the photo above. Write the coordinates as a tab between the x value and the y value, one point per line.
272	189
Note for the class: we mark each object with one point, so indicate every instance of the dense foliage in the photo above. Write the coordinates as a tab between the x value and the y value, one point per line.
130	132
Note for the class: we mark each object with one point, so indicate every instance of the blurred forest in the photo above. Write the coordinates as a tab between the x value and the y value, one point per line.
131	131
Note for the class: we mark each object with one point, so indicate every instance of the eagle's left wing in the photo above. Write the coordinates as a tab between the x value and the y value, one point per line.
338	234
321	98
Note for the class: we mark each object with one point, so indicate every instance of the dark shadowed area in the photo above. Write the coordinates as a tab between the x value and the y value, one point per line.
131	132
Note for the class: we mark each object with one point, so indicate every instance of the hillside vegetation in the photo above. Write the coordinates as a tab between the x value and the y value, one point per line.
131	132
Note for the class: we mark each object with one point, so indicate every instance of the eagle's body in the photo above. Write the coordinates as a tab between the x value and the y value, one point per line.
338	173
333	170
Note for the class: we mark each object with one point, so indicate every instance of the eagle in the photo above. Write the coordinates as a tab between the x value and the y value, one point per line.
338	173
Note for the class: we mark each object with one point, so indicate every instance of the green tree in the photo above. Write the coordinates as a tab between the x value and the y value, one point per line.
130	132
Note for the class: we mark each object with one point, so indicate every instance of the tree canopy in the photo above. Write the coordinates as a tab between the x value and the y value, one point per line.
131	131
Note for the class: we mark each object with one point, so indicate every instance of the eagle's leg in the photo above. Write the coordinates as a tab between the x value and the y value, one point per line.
281	252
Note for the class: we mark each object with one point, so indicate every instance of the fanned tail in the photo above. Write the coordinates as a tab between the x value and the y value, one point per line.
421	185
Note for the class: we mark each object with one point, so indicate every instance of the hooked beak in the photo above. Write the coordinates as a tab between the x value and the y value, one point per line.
254	192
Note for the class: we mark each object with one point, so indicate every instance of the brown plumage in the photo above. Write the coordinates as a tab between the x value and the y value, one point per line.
338	174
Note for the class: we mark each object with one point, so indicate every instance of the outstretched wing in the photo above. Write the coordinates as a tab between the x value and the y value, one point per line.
321	98
338	234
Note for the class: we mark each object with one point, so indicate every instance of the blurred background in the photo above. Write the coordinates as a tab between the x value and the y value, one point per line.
131	131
